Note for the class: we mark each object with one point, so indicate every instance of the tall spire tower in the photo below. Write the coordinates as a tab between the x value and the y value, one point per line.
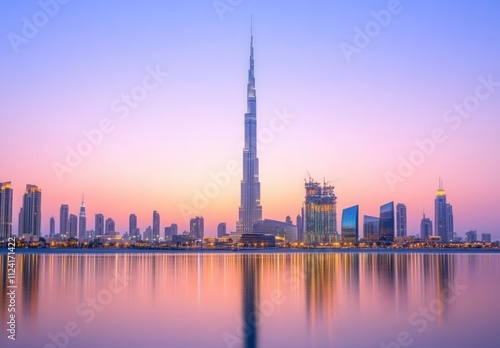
250	209
82	223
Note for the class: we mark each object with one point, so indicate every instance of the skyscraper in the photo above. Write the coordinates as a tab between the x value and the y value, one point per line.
5	210
82	222
401	220
300	226
425	228
449	221
156	226
32	210
350	225
196	227
250	210
52	227
440	218
132	227
221	229
170	231
386	223
371	228
320	219
63	220
110	226
72	225
99	224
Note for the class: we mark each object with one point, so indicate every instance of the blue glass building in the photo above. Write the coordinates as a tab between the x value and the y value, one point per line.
350	224
386	223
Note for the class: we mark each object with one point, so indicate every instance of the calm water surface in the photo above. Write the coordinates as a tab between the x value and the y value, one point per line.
254	300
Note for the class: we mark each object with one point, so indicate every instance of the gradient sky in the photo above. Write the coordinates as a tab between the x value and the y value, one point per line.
353	120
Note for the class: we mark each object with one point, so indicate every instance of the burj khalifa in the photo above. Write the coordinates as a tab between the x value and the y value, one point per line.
250	210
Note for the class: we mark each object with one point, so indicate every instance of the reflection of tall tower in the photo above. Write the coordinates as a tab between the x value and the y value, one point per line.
82	222
440	218
250	209
251	289
5	210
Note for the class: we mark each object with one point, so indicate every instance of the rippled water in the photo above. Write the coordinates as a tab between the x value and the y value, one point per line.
266	299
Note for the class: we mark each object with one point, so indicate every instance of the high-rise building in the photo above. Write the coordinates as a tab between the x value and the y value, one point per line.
132	227
350	225
320	219
20	225
386	223
370	228
170	231
72	225
471	237
63	220
440	216
425	228
401	220
110	226
449	222
148	234
82	222
32	210
300	226
52	226
250	210
99	225
196	227
486	237
221	229
156	226
5	210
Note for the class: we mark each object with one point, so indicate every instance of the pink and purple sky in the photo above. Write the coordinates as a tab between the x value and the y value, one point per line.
353	119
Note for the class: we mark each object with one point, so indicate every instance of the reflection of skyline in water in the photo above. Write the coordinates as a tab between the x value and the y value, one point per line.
326	293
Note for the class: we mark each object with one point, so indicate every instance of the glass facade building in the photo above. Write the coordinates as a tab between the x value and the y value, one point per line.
401	220
386	223
370	228
350	225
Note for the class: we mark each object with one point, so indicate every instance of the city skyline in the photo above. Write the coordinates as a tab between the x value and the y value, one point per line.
302	72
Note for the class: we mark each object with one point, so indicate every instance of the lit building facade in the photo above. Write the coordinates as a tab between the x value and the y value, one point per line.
110	226
350	225
440	215
52	227
6	194
320	213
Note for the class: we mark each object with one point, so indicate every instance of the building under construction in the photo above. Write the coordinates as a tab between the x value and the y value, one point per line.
320	213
